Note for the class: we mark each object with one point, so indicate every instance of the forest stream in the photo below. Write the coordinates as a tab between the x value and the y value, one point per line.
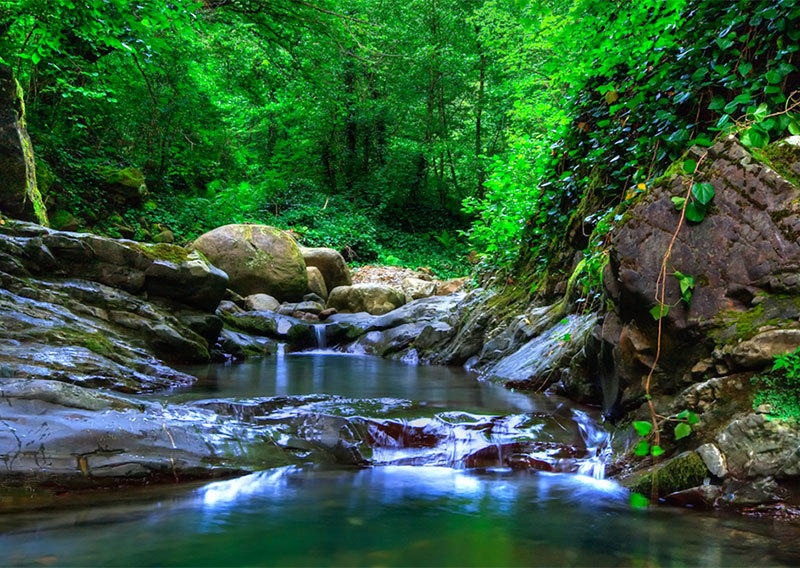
437	490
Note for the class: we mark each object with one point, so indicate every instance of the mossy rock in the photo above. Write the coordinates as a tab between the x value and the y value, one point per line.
62	220
681	472
128	177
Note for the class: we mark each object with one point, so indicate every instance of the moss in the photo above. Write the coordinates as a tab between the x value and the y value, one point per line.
776	310
681	472
129	177
95	342
780	156
168	252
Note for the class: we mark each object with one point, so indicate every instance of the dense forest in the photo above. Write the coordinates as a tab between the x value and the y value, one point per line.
400	132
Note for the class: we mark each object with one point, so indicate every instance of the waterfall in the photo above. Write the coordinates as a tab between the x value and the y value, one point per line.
319	330
280	351
598	446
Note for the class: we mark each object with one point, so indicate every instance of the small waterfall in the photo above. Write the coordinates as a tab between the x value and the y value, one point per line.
598	446
319	330
280	351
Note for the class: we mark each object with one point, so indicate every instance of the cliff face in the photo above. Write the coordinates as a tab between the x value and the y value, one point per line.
19	195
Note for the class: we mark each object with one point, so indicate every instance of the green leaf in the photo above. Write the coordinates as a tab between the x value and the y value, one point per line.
643	428
754	137
745	68
773	77
656	451
639	501
642	448
693	419
703	193
794	127
35	58
689	166
682	430
695	212
659	310
678	202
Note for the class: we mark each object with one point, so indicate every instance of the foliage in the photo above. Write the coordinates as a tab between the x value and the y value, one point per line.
780	387
630	103
683	422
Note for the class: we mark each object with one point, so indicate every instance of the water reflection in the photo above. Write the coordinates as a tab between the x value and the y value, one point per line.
354	376
397	516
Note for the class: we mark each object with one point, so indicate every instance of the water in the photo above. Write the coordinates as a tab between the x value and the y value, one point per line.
359	377
390	516
319	332
493	506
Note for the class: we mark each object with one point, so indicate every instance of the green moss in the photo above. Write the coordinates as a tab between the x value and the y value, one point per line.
775	310
95	342
168	252
681	472
780	156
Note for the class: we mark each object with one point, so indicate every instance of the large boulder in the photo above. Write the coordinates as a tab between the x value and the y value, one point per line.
19	195
743	257
375	299
331	264
258	260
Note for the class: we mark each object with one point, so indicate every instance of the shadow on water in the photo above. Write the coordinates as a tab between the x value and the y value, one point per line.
422	516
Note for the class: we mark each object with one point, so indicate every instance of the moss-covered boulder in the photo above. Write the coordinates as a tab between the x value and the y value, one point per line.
19	194
681	472
126	185
258	260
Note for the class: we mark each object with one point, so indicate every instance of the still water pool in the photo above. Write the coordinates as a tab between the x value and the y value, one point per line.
390	515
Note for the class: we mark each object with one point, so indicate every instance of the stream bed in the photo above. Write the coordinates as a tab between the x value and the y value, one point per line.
443	486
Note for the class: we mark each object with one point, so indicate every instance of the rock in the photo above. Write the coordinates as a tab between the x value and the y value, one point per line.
331	264
534	364
257	259
743	253
287	309
313	298
676	474
309	307
700	497
451	286
241	345
375	299
261	303
738	493
126	185
19	194
416	288
316	283
228	307
756	447
760	350
64	220
192	281
326	313
714	460
274	325
164	236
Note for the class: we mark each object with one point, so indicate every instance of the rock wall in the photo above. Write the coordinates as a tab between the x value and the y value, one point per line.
19	195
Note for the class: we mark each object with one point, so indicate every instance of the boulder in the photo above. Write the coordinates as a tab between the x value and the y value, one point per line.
261	303
416	288
19	194
375	299
316	282
190	280
258	260
743	257
451	286
331	264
